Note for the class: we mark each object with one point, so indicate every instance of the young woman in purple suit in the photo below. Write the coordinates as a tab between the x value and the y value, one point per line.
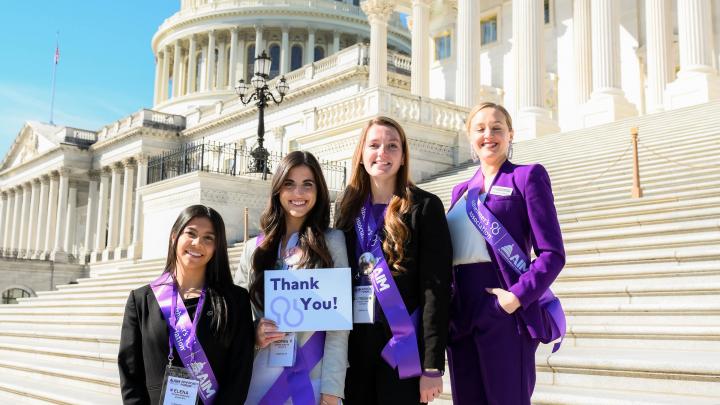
501	306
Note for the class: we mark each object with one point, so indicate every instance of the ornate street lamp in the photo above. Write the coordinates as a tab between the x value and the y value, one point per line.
259	91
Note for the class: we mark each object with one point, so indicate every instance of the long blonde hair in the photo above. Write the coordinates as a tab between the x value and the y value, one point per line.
358	190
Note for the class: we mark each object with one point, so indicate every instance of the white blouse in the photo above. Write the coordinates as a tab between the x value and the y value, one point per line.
468	244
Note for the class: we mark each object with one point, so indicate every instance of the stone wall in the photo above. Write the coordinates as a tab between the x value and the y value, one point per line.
37	275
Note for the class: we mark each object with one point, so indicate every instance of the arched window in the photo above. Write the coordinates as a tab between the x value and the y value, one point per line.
319	53
10	295
296	57
275	56
250	66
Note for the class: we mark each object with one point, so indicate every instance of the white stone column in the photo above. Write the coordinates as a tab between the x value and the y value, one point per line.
285	51
70	225
114	215
51	215
222	66
310	46
259	44
165	75
59	254
242	59
697	81
607	101
102	216
40	230
202	75
659	51
336	42
33	219
420	74
192	65
582	31
135	249
158	77
232	64
3	215
211	62
378	12
532	119
126	207
177	57
8	228
24	220
90	217
467	79
17	219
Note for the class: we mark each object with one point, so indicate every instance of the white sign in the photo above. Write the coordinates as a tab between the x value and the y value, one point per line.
307	300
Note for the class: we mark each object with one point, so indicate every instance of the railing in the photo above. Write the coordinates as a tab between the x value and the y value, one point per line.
399	63
143	118
80	137
216	157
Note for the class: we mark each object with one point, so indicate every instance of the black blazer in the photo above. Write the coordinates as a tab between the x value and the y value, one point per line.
426	281
144	348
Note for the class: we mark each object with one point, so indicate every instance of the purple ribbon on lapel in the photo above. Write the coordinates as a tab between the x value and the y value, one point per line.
182	334
294	382
503	244
401	351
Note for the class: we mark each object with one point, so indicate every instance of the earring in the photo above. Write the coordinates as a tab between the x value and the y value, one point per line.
510	151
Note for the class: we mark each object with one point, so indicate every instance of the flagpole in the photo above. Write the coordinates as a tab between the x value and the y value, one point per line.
56	58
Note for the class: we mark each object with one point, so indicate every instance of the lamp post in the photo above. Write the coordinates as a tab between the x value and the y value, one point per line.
259	91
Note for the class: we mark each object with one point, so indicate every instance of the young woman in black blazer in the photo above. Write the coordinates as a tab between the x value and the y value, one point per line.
197	264
414	239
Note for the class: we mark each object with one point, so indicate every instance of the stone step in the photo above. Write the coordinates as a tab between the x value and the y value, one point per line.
34	390
678	372
671	212
95	379
667	255
92	312
71	358
546	394
639	270
95	343
629	242
665	337
629	293
80	328
671	226
39	318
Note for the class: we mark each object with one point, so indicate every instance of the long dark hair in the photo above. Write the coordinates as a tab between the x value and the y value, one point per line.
218	279
311	237
358	190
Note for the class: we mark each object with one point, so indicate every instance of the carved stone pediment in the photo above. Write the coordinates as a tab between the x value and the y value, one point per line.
33	140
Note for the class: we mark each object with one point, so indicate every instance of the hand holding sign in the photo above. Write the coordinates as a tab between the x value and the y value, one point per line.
306	300
266	333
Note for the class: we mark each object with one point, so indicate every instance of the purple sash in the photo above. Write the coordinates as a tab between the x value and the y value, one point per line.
401	351
505	246
182	334
294	382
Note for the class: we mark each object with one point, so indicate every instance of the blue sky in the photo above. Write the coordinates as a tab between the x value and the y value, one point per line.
106	68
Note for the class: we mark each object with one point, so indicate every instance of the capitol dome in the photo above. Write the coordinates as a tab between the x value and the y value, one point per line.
292	32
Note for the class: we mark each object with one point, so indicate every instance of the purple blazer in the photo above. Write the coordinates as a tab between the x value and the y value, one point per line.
529	216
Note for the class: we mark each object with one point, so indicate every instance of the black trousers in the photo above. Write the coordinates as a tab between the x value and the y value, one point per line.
369	379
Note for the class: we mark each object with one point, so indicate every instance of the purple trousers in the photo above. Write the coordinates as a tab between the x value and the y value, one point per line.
491	357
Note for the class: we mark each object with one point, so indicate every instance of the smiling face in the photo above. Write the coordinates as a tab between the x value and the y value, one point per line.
490	136
196	244
382	153
298	193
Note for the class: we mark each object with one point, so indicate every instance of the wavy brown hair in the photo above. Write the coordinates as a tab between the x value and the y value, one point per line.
358	190
311	237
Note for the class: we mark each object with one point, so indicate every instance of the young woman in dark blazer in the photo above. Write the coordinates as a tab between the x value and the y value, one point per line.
399	356
197	271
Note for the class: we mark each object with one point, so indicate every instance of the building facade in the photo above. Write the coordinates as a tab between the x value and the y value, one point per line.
110	195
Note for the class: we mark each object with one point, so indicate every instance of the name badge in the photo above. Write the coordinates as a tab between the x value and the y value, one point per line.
501	191
282	352
179	387
363	304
